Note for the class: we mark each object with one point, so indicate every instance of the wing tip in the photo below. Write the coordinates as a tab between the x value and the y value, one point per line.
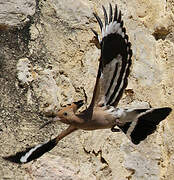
13	159
31	153
167	110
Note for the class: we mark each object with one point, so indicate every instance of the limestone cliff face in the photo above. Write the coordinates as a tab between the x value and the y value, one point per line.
47	60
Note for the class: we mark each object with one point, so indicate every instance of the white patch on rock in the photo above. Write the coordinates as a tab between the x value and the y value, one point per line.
47	90
142	160
24	69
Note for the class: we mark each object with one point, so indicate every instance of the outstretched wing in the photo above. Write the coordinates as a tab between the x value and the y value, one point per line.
37	151
115	59
137	124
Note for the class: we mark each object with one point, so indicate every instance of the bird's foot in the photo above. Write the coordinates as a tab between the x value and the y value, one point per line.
113	129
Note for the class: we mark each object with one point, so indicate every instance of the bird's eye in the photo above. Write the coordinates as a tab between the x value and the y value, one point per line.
65	113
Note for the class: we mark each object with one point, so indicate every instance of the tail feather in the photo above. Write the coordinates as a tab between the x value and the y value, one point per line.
32	153
143	123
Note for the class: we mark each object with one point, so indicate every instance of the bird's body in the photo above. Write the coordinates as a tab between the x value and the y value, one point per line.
101	119
112	78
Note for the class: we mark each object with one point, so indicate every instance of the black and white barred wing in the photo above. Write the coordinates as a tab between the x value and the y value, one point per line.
115	58
137	124
32	153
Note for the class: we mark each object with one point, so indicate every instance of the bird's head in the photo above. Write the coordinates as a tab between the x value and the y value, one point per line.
66	114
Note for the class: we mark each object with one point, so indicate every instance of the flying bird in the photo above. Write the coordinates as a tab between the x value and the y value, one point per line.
112	78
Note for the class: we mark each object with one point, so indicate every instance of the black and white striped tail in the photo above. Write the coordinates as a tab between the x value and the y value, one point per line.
142	122
32	153
115	57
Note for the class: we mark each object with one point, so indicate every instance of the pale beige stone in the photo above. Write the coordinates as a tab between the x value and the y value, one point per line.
14	13
55	168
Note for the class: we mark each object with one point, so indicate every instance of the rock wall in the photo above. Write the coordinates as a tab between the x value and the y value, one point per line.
47	59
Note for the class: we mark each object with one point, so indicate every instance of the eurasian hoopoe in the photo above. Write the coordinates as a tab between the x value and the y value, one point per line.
102	113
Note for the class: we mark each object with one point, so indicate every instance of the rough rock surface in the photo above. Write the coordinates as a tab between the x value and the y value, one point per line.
47	60
14	13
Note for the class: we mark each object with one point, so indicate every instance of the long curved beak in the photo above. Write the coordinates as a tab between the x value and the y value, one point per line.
49	122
